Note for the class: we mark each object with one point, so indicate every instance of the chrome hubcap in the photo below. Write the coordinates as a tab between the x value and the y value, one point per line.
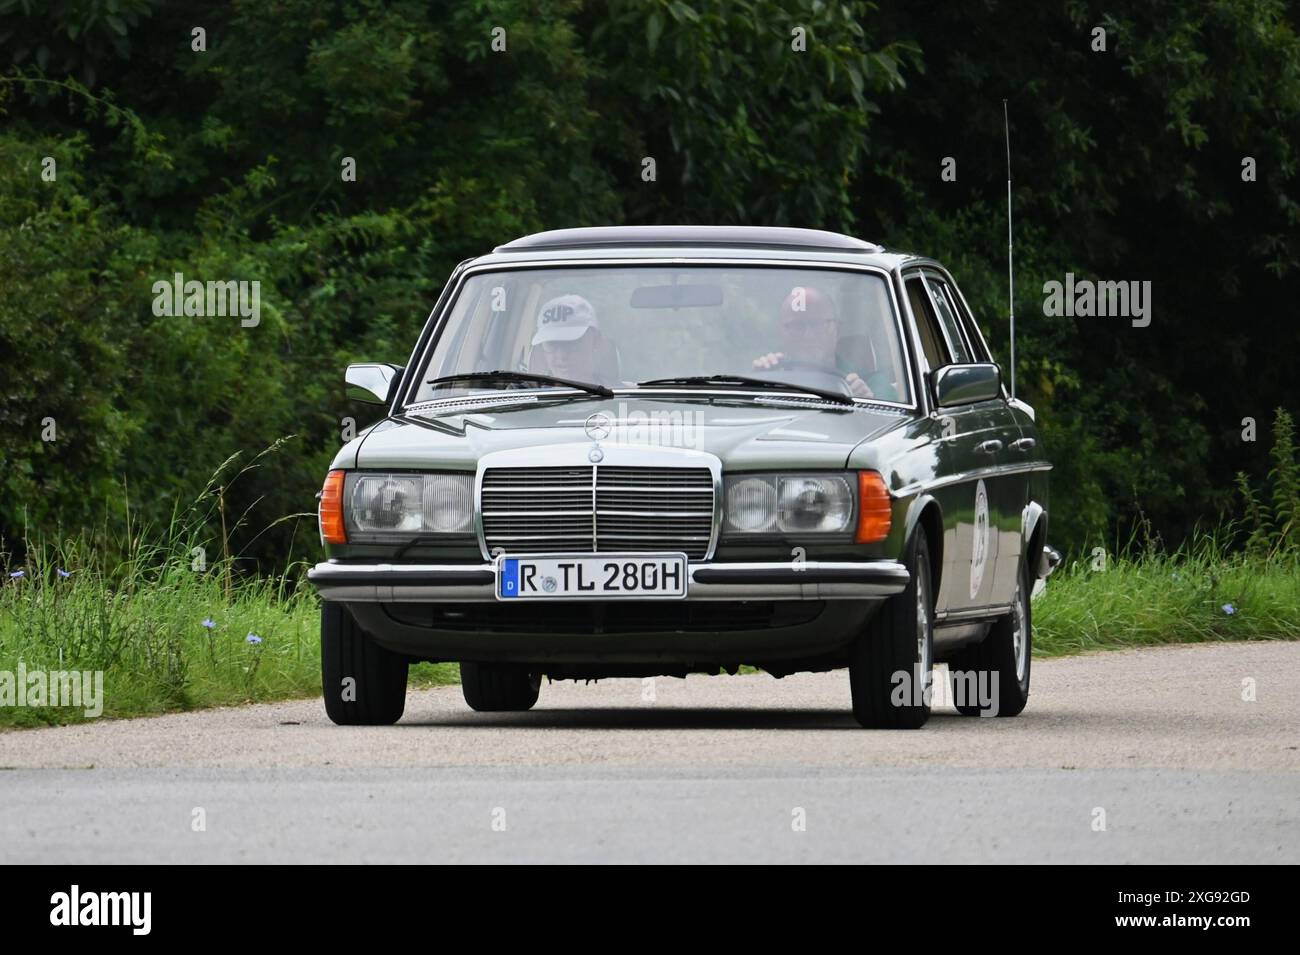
1019	637
922	631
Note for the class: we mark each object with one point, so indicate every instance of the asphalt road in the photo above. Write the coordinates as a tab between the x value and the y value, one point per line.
1157	746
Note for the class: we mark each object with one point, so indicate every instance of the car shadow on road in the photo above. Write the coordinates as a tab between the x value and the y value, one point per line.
643	718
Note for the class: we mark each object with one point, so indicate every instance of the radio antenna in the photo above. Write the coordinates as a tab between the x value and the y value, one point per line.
1011	276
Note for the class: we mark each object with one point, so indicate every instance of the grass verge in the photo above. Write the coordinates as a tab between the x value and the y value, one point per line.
168	640
1165	599
167	637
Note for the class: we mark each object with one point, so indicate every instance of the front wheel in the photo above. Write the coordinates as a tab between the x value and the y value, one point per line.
992	677
499	687
890	671
363	683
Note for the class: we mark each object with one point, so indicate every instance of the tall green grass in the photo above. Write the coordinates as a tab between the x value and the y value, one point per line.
166	615
167	637
1190	596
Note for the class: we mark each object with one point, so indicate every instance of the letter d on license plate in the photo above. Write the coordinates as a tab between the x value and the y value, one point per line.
591	576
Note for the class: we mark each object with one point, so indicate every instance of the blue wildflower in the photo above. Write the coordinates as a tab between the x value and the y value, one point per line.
1229	609
253	638
209	623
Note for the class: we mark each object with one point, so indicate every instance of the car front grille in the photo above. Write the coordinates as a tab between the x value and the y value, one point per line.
601	509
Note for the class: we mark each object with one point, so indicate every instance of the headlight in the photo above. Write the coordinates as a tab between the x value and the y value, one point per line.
814	504
789	504
383	507
751	505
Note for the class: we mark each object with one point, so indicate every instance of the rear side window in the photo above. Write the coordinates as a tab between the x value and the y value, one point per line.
932	343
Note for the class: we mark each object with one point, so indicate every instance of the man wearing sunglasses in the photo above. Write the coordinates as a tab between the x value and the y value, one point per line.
810	332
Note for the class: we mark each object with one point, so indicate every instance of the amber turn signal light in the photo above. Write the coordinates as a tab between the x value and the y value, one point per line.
332	530
875	511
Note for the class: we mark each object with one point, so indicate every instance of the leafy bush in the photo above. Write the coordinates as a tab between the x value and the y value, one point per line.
1271	525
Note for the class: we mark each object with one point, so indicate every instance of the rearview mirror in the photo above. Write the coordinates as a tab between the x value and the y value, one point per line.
677	296
966	384
372	382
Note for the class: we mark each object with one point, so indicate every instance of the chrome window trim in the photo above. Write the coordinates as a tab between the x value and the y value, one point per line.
969	314
916	273
446	295
953	357
933	275
922	362
438	317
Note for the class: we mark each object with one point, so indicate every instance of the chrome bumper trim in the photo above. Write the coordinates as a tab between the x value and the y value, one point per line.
458	583
1048	562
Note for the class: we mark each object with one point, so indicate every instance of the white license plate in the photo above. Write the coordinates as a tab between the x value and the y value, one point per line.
591	576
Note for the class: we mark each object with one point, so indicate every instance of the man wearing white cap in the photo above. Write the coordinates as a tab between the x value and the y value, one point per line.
569	335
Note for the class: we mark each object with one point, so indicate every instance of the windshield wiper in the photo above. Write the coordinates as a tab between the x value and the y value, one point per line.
526	376
744	381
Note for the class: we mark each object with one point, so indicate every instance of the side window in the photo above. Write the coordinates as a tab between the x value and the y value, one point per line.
948	319
978	350
927	326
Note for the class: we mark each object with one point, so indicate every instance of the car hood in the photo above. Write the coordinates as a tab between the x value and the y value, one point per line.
742	433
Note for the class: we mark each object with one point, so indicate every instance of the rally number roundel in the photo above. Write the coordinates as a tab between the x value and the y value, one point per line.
980	542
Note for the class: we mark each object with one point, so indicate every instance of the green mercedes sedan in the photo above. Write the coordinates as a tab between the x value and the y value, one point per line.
661	450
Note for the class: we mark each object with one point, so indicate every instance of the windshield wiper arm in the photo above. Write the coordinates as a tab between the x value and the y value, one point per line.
524	376
744	381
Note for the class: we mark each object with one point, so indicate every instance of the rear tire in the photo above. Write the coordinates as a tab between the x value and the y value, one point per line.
891	669
363	684
499	687
1003	656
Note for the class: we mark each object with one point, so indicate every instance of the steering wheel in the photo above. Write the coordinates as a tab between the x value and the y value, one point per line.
810	373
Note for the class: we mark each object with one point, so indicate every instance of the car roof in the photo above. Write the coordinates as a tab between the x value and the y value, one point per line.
678	235
692	241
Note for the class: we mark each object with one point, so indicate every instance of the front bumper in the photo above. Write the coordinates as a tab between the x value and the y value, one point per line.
1048	561
422	583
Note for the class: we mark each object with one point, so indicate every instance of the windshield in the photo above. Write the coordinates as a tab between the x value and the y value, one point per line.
825	330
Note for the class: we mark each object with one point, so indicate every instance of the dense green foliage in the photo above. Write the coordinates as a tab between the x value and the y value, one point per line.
226	165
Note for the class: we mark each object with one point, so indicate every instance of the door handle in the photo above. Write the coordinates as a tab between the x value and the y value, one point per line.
991	446
1024	444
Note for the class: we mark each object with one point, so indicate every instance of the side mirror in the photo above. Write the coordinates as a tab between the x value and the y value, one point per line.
372	382
966	384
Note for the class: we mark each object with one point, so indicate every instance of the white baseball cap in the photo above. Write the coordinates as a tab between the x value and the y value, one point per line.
565	318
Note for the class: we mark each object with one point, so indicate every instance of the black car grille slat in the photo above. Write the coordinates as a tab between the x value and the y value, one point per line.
598	509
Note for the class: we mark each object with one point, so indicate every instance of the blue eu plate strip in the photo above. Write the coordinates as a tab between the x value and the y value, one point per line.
509	578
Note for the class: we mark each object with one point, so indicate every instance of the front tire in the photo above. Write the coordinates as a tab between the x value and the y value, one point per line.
1000	663
499	687
890	671
363	683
